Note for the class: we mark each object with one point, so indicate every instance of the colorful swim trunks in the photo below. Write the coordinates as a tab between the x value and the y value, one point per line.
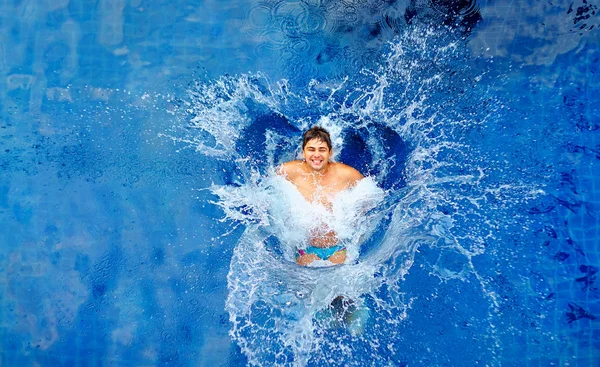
322	253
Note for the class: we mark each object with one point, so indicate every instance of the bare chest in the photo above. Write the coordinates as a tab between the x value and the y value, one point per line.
319	192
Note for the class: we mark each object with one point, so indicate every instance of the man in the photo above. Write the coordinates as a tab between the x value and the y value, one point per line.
319	180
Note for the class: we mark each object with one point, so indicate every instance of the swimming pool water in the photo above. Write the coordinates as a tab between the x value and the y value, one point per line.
136	141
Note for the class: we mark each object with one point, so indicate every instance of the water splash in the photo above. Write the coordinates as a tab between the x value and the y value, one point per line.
408	125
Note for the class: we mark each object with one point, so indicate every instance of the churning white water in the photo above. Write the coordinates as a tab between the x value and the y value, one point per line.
439	195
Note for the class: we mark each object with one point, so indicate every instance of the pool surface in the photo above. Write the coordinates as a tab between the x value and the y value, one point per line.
142	223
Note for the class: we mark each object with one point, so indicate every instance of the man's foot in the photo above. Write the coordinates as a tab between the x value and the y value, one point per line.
349	315
342	308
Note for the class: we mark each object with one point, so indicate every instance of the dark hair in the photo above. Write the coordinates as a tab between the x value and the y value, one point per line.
316	132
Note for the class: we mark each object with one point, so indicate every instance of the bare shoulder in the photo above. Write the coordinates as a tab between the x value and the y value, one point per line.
350	174
290	169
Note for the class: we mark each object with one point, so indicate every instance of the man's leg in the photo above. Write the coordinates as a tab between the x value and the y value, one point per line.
338	258
305	259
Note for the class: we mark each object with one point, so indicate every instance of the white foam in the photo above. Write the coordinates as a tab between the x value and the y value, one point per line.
277	205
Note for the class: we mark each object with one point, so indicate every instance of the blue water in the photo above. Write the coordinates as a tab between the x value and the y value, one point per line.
140	224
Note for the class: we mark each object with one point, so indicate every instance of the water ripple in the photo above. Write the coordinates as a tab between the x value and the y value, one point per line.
463	8
260	16
296	47
297	19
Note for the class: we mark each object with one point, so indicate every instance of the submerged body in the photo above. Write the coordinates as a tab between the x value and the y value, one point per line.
319	181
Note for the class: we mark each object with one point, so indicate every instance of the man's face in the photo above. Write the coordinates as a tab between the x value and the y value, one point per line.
316	153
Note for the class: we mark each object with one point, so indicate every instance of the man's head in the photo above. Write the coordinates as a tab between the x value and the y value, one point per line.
316	148
316	132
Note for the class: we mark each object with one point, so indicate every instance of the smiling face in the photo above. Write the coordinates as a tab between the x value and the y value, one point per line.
316	153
